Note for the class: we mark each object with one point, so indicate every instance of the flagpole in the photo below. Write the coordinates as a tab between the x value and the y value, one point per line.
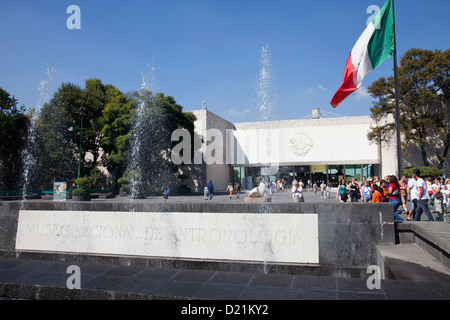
397	109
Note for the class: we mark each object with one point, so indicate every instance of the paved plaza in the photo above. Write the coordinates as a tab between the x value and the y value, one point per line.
39	279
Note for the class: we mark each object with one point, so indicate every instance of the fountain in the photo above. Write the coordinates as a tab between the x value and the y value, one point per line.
147	162
45	91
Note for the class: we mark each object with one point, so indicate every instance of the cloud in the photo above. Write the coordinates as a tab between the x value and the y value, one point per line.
321	87
362	93
314	90
238	113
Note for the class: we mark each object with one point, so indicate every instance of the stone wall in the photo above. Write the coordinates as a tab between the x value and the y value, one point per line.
347	233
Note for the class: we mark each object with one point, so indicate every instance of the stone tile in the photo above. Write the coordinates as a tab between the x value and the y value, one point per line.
346	295
157	273
102	283
264	293
178	289
122	271
314	283
272	280
408	290
194	275
220	292
301	294
140	285
236	278
352	285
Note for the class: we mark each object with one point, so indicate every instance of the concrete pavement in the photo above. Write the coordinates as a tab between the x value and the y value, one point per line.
47	280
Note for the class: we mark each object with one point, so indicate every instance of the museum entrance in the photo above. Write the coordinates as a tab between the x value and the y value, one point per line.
249	177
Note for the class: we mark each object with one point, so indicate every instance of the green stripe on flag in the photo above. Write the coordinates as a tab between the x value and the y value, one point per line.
382	44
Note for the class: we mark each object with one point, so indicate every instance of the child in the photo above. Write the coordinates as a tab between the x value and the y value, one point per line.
230	189
205	193
376	197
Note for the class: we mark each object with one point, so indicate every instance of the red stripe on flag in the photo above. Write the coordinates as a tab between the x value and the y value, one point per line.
348	85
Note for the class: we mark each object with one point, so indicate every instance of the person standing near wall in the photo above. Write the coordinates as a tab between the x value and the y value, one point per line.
393	193
165	191
230	189
342	191
438	198
403	187
366	192
211	190
422	196
297	192
411	192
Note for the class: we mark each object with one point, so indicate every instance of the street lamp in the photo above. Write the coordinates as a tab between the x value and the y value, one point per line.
82	113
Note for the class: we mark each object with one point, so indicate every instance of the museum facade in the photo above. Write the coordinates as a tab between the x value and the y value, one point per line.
312	150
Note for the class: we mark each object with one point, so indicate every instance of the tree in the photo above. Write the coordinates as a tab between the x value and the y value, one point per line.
57	137
13	134
423	94
148	156
116	120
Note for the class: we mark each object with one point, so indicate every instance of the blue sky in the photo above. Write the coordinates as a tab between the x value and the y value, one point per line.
207	50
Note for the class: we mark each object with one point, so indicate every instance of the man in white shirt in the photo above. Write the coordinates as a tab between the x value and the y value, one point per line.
422	196
412	196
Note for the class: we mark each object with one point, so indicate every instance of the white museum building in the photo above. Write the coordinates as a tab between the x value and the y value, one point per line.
312	150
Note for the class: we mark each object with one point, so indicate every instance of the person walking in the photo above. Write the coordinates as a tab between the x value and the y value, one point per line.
238	188
403	187
376	196
165	191
205	193
422	197
366	192
394	195
438	198
411	195
297	192
446	193
230	189
211	190
354	190
342	191
323	188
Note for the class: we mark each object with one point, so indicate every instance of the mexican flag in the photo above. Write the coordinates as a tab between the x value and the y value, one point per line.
374	46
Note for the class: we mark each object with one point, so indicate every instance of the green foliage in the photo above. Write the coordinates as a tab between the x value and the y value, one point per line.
13	134
424	172
83	183
106	116
423	93
80	192
161	115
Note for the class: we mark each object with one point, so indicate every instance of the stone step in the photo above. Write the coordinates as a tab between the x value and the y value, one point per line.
409	262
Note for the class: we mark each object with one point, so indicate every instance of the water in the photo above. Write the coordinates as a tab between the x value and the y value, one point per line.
264	92
266	110
148	146
148	86
46	88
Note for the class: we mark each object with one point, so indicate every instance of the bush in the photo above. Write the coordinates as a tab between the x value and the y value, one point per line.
80	192
83	183
424	172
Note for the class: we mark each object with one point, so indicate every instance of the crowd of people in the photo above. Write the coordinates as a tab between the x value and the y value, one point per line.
424	195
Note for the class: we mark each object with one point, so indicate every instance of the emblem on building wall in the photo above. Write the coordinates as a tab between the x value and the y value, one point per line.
300	144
